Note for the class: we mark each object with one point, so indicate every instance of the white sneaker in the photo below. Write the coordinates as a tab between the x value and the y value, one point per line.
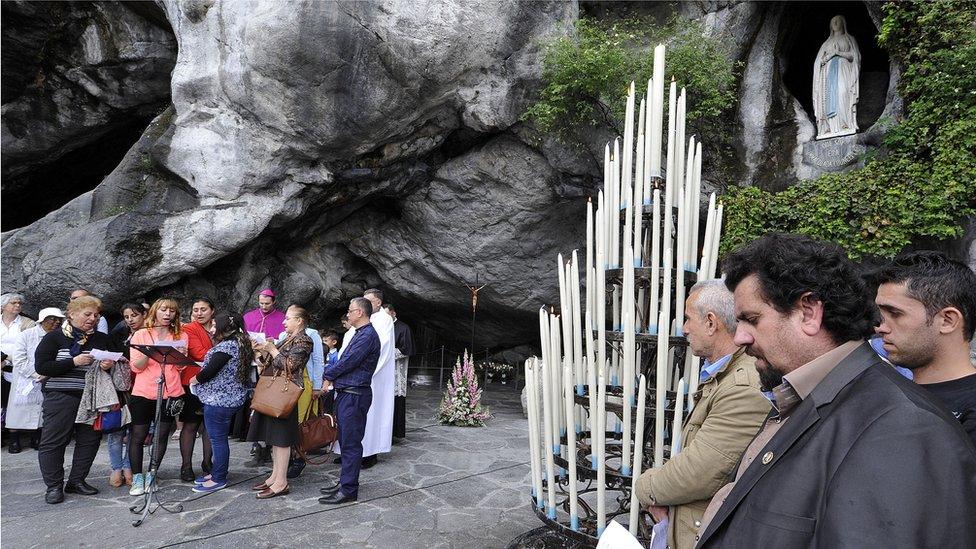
138	487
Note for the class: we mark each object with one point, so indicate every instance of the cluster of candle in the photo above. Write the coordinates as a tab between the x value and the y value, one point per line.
576	360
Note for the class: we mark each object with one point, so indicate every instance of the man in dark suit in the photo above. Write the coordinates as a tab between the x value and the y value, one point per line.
853	454
351	377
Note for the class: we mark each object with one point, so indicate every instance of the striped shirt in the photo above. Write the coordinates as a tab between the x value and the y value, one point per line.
53	359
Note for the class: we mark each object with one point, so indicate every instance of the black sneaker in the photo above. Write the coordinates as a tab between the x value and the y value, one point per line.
369	461
14	446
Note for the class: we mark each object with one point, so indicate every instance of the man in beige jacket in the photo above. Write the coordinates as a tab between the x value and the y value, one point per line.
729	409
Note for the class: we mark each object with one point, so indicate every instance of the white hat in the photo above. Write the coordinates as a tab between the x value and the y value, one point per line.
50	311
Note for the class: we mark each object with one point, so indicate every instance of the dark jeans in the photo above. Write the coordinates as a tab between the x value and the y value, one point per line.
218	420
351	415
58	412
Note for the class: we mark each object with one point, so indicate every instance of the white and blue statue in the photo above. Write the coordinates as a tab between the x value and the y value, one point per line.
836	73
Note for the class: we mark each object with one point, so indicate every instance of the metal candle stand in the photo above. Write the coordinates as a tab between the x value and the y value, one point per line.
614	479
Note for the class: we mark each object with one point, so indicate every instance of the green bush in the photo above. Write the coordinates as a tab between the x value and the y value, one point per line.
587	75
924	182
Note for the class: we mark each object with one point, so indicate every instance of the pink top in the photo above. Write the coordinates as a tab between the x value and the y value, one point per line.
270	324
144	382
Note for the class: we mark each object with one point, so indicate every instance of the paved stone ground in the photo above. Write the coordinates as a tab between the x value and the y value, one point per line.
440	487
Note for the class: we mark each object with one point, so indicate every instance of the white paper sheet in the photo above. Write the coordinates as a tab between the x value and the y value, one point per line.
99	354
617	537
258	336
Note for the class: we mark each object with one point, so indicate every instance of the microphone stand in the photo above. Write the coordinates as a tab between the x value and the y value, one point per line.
151	500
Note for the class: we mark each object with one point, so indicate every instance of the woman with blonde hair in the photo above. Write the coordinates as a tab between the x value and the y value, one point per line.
162	324
63	355
287	357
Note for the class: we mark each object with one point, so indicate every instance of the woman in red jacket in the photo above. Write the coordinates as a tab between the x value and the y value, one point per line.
199	332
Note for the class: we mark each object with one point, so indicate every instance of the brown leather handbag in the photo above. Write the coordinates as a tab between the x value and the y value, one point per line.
276	395
316	432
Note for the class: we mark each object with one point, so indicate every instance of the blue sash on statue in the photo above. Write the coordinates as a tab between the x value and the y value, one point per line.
833	70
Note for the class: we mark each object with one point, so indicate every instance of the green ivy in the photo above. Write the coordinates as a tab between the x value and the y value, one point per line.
924	182
586	75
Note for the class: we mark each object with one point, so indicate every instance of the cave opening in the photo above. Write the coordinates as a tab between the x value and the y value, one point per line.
48	48
804	28
42	190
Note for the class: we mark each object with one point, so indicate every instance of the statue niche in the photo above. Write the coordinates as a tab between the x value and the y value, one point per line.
836	72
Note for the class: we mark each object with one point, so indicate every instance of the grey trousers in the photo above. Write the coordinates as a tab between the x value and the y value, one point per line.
59	411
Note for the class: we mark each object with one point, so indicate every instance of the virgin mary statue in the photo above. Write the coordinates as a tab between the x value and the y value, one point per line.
835	82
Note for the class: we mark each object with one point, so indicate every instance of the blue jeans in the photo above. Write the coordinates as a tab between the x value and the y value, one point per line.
351	416
218	420
118	449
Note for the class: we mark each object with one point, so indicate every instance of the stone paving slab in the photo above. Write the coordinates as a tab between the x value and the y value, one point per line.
441	487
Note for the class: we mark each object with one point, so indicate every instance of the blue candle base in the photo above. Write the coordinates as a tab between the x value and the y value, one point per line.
599	532
574	523
579	392
552	513
625	470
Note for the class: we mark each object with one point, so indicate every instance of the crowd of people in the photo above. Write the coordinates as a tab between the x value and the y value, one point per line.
69	377
837	404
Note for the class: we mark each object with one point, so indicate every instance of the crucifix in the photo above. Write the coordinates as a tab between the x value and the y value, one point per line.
474	307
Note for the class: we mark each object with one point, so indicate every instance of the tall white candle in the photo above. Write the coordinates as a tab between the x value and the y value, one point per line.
655	262
638	453
672	138
559	420
706	254
548	427
579	362
638	209
695	211
589	257
646	191
660	386
571	444
679	409
613	212
566	316
657	110
666	267
591	391
535	441
693	377
628	366
601	470
716	239
615	295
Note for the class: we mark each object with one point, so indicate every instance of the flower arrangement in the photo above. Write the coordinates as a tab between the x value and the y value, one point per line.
461	404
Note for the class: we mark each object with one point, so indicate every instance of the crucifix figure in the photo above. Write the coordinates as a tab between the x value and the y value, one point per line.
474	307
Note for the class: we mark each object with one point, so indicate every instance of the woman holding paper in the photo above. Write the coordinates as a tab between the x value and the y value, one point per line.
64	356
199	341
289	357
162	325
222	386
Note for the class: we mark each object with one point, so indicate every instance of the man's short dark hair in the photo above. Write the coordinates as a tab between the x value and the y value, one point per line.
374	291
788	266
937	281
327	334
364	304
389	307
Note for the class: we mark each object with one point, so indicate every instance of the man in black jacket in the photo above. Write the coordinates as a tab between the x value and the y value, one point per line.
854	454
